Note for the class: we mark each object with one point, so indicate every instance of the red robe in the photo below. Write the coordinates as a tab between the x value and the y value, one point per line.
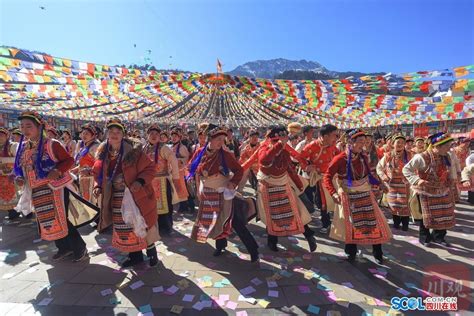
275	160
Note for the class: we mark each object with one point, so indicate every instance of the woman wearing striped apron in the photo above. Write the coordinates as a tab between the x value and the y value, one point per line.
218	173
165	181
358	219
389	170
123	178
430	175
278	199
85	159
42	165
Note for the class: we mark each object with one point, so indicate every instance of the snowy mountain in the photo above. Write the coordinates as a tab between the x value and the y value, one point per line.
271	68
291	69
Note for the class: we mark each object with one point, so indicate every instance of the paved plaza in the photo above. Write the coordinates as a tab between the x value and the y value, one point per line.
190	281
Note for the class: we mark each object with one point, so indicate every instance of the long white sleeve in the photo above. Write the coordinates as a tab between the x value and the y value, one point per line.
381	169
411	168
467	173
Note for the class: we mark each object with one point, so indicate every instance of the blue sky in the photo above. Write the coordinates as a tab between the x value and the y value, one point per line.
358	35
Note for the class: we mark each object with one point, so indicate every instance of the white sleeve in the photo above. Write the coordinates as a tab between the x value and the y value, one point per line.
381	168
411	168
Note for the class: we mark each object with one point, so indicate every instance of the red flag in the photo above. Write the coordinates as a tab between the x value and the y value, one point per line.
219	66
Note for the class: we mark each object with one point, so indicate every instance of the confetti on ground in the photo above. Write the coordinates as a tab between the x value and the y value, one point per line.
231	305
263	303
137	285
248	290
313	309
256	281
273	293
188	298
176	309
106	292
45	301
145	309
403	291
172	290
157	289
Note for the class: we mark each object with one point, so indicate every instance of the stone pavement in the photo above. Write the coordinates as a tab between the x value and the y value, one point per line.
292	281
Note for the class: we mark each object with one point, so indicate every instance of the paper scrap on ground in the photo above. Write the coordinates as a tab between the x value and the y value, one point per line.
273	293
45	301
313	309
188	298
137	285
106	292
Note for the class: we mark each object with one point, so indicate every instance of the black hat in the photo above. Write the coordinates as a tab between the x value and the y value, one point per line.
213	130
277	131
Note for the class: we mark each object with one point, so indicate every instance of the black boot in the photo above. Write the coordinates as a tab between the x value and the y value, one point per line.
405	222
12	214
309	235
254	257
134	258
396	221
272	242
351	251
378	254
220	247
152	255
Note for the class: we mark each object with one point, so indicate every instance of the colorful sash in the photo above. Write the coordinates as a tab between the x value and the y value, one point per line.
214	218
160	187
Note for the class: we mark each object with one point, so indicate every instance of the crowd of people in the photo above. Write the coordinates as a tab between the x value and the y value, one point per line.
133	183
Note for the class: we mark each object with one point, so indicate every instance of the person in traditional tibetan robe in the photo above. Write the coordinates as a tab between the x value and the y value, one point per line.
166	179
220	209
16	135
9	191
191	182
389	170
123	177
181	198
431	178
42	166
465	175
409	144
357	219
164	137
52	132
420	145
320	152
308	135
462	150
250	148
232	143
201	139
379	143
279	205
68	142
85	159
